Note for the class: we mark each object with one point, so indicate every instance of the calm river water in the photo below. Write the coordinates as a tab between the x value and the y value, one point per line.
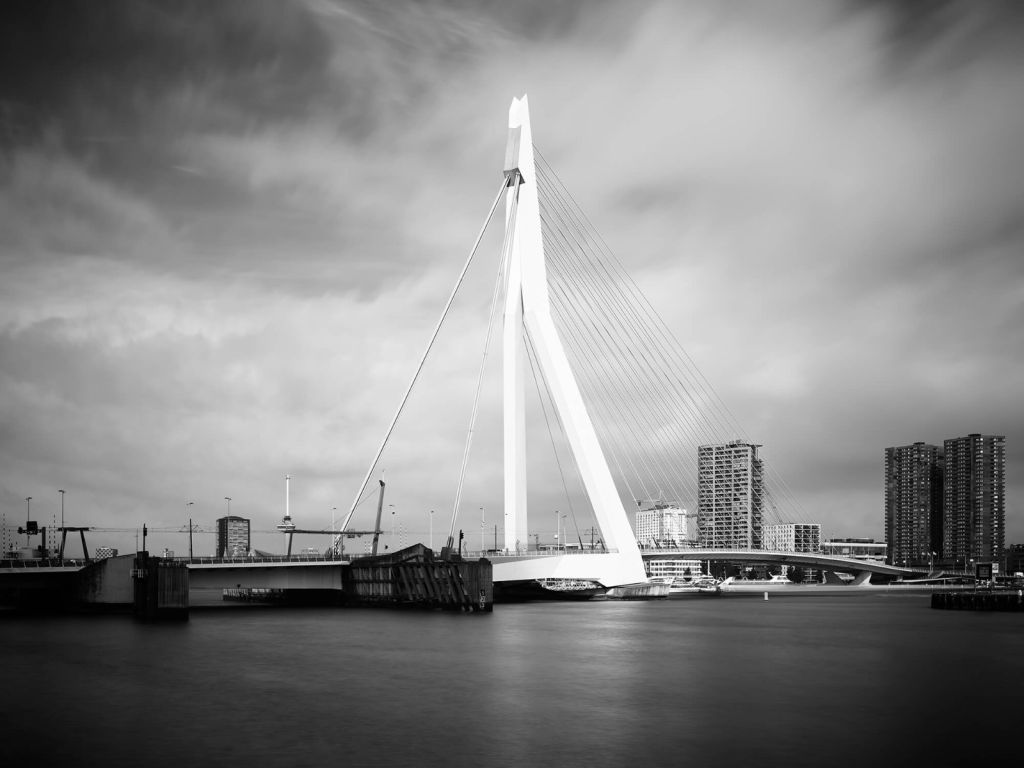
873	680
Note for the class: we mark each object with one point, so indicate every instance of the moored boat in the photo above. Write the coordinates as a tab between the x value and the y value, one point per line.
702	586
780	585
548	589
652	589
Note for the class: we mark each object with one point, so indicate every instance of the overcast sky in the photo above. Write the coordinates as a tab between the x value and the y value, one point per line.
227	229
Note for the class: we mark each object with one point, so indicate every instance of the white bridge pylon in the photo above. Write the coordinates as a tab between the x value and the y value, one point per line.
527	309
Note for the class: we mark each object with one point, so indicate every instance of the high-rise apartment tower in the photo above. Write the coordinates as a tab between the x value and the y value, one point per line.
730	496
913	503
974	499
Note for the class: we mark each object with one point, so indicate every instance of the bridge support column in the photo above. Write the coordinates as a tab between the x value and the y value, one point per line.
160	588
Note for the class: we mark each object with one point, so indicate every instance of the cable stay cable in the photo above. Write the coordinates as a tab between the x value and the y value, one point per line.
636	300
423	358
634	382
635	370
629	307
610	318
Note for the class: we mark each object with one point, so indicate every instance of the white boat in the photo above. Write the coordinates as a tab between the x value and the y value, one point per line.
650	589
702	586
779	584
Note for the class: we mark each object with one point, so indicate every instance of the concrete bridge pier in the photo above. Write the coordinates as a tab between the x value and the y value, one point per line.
160	588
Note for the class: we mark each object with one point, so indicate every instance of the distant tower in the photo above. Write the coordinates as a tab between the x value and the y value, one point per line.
232	536
287	526
730	496
913	503
974	498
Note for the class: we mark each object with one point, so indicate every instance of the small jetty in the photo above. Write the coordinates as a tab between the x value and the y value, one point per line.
413	577
995	600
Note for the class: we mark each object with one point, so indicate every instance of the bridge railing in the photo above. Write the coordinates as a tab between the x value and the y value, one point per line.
47	562
207	560
489	553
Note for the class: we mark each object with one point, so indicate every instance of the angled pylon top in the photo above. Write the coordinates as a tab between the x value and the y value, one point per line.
518	136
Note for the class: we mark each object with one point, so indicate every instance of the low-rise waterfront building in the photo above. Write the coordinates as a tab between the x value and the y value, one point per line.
861	549
674	568
661	525
792	537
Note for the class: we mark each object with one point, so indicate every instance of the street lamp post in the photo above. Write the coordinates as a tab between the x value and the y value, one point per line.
187	512
482	529
334	514
565	534
28	517
61	492
431	530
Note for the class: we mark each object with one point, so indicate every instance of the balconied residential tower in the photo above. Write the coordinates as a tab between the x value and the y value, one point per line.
974	499
913	503
730	496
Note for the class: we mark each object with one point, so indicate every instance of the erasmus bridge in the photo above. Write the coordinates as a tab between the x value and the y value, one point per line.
615	388
611	379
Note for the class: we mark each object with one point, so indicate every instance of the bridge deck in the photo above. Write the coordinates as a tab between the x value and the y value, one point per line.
812	559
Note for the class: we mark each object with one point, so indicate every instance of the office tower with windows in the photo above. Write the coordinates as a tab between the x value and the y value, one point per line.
232	536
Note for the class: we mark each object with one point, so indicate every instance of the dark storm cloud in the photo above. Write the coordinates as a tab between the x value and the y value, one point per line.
105	70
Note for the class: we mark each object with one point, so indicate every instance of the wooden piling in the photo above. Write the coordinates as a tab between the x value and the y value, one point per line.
982	600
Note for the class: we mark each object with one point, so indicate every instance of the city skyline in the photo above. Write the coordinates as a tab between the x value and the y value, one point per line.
226	229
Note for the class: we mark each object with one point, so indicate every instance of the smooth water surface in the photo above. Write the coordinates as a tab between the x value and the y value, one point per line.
873	680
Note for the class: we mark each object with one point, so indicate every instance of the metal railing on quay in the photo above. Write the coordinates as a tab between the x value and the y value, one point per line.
49	562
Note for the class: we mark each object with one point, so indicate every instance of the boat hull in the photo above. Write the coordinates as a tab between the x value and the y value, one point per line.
609	569
526	590
791	590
